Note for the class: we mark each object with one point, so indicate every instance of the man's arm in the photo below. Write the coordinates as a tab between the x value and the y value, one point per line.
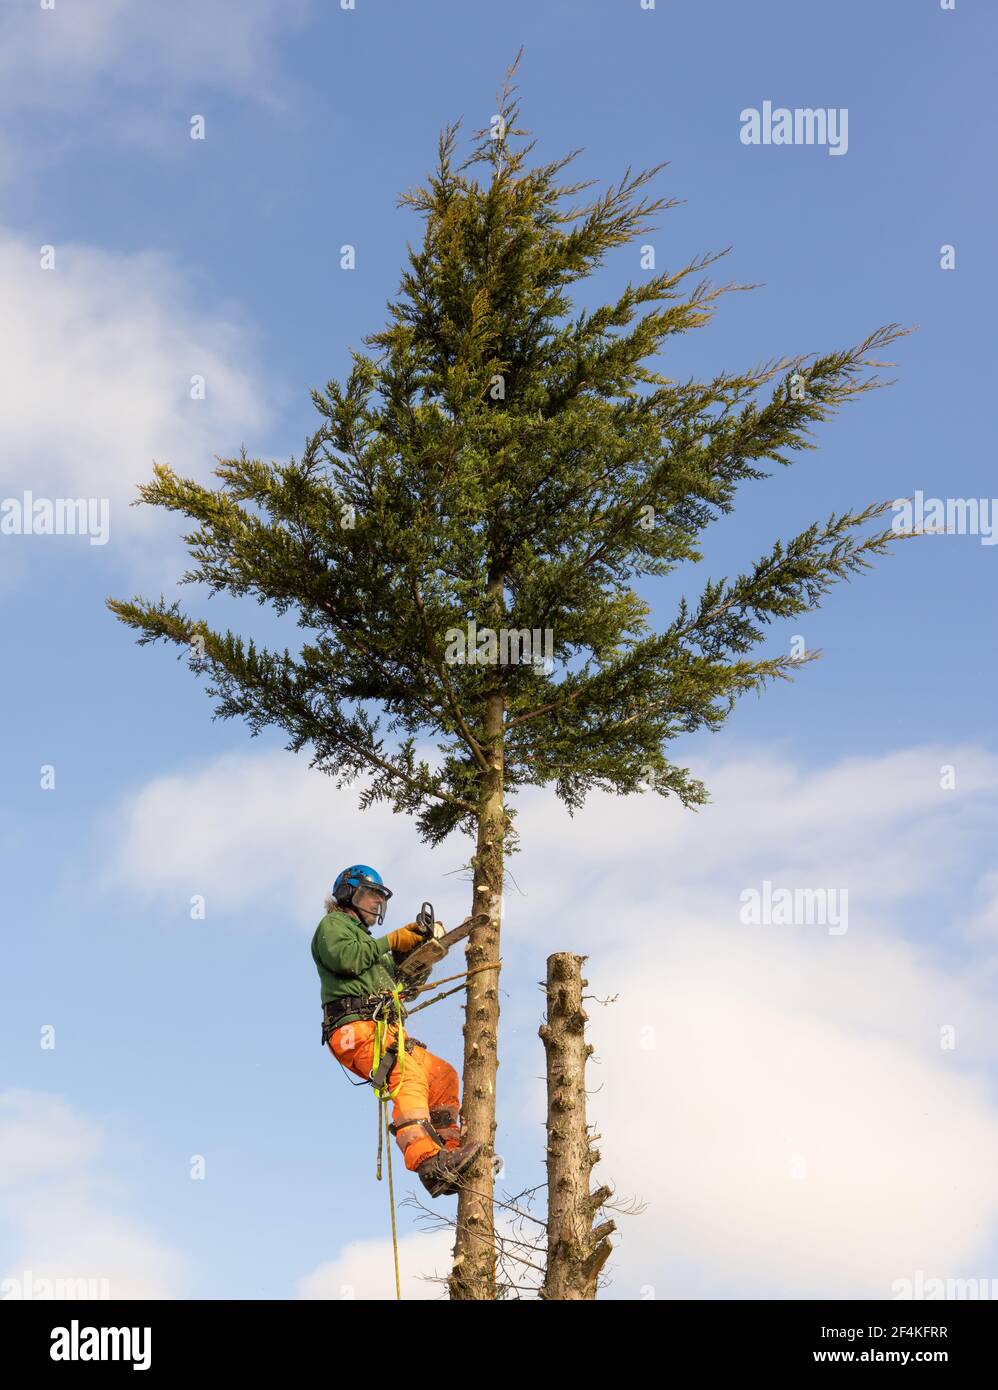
346	950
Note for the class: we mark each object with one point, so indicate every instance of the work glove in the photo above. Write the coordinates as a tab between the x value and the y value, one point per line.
405	939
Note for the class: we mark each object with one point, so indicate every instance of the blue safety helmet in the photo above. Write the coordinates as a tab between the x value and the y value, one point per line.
360	876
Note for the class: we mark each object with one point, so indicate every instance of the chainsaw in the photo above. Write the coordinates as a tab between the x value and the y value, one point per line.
418	963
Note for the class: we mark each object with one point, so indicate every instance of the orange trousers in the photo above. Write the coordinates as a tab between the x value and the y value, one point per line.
429	1089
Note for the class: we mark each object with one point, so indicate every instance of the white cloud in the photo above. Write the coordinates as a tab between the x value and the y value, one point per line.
881	826
787	1146
260	827
59	56
97	354
63	1225
738	1056
128	73
365	1269
41	1135
259	830
96	360
982	925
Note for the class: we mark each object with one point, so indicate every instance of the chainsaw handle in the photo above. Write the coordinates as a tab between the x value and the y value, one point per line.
426	919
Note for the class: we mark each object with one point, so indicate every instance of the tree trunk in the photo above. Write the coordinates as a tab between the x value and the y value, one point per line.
474	1272
576	1251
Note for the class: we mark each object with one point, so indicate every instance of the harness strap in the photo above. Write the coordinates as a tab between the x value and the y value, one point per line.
358	1005
385	1056
426	1124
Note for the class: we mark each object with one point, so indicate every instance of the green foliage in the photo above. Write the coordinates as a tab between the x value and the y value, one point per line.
502	461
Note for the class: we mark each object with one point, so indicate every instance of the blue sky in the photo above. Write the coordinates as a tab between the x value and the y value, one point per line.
221	257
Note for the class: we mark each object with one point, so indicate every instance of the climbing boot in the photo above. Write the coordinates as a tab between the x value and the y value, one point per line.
439	1174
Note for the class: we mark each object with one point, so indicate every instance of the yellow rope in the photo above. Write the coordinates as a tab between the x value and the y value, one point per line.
383	1107
381	1042
378	1170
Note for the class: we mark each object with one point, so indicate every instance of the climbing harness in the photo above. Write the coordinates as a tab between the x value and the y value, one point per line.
387	1052
385	1055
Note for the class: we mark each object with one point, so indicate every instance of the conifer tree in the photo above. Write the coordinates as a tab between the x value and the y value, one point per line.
496	468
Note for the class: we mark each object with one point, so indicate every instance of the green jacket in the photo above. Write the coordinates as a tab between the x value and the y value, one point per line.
350	960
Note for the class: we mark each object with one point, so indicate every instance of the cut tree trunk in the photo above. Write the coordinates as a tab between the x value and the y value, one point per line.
576	1250
473	1275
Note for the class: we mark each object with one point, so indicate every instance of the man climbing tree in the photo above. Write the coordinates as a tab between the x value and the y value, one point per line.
356	969
502	469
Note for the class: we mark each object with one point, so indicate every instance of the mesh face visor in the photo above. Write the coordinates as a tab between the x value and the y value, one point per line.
362	883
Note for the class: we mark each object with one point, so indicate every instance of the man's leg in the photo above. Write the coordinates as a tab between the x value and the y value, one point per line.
444	1098
412	1105
353	1045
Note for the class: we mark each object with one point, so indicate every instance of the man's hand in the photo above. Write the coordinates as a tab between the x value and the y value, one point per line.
427	930
406	939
